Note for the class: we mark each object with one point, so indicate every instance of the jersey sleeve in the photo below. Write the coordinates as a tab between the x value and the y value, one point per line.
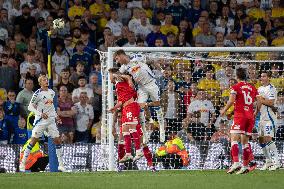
34	102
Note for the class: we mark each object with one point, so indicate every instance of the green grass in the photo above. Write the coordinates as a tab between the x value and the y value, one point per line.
143	179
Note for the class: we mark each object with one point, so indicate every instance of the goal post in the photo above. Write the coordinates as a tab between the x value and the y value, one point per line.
234	55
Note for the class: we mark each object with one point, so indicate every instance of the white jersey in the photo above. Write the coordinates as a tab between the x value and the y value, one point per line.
266	113
42	102
139	70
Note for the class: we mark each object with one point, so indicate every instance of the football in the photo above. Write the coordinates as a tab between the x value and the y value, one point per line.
58	24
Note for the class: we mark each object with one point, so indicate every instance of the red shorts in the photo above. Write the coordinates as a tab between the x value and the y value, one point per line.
130	114
138	128
242	125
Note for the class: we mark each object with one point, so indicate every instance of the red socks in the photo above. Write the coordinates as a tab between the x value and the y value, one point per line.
121	151
246	155
136	138
127	142
235	151
148	156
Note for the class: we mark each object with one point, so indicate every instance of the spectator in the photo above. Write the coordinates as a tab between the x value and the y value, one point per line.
184	27
146	7
134	4
195	129
222	134
124	13
131	40
213	12
24	97
97	71
205	38
97	91
82	56
79	72
101	11
194	13
25	23
256	37
159	42
108	42
169	27
255	11
20	133
177	11
64	76
31	74
114	25
40	11
279	40
143	28
66	112
135	20
68	46
171	39
280	114
82	88
8	75
59	59
4	132
29	61
181	40
170	103
205	106
89	45
123	40
76	10
84	118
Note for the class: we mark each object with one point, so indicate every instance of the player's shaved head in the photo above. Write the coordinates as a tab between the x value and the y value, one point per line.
241	74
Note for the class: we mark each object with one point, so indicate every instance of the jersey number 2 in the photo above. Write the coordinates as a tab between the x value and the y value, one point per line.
247	97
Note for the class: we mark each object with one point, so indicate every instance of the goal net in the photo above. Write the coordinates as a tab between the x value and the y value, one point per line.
194	84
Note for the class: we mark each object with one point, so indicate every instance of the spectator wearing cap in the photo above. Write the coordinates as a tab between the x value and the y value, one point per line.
101	11
143	28
40	11
79	72
82	56
76	10
25	23
255	11
177	11
193	14
24	97
59	59
124	13
279	40
82	83
169	27
206	38
114	24
8	75
65	81
155	34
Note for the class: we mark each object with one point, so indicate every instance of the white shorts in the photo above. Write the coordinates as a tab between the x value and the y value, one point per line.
266	128
48	125
150	90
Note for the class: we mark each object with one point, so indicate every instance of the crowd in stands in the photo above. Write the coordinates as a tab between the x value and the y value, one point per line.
191	98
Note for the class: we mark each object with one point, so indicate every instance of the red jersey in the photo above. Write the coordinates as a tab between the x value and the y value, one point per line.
245	97
124	92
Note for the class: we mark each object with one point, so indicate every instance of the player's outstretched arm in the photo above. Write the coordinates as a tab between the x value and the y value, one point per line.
229	104
117	106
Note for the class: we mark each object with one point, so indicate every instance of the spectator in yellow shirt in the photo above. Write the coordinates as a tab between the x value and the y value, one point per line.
169	27
256	38
76	10
197	27
253	76
209	84
101	11
277	10
277	79
147	8
279	40
256	12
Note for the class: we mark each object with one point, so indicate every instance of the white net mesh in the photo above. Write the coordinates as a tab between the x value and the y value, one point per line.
184	77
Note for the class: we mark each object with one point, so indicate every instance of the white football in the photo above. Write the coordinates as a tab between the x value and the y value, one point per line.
58	23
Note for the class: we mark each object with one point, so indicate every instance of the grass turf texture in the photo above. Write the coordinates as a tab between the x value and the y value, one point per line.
143	179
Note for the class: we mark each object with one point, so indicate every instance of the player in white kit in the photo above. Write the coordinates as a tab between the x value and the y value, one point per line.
45	120
147	87
267	123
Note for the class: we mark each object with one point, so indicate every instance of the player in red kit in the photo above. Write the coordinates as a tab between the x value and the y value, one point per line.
243	96
130	113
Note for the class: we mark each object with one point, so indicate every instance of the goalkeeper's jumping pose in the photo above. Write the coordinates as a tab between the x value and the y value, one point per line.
45	120
147	87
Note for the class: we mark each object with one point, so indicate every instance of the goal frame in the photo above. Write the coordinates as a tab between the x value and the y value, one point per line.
110	94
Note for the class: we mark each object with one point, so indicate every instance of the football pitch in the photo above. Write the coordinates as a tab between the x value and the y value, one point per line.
143	179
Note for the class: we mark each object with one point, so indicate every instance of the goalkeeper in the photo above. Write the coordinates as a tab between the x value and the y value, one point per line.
173	154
